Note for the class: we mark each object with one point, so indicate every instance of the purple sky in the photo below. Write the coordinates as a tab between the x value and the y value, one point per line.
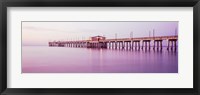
39	33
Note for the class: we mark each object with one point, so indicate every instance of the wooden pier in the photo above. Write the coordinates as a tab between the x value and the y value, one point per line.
122	43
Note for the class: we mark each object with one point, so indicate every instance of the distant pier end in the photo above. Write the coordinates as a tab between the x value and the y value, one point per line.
121	43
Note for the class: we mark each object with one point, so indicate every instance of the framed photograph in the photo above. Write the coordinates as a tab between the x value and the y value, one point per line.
91	47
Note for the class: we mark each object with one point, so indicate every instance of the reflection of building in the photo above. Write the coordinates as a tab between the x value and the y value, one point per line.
97	38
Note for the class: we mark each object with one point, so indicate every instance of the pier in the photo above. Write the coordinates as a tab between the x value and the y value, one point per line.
121	43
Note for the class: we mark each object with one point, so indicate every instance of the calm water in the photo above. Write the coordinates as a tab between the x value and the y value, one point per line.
44	59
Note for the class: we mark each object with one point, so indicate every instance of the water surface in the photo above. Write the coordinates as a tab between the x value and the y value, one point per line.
44	59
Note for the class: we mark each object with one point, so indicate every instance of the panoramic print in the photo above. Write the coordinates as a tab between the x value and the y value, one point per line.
100	47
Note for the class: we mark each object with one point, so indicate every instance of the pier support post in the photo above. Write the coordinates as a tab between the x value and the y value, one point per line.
168	42
175	44
126	45
139	45
149	46
142	45
145	45
109	45
132	45
157	45
120	45
115	44
123	45
135	45
171	45
161	45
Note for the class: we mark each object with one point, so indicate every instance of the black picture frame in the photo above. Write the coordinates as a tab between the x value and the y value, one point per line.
98	3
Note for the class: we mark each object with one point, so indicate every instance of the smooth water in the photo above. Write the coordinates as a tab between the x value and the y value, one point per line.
44	59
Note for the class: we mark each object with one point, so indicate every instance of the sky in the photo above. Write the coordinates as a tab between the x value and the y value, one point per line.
40	33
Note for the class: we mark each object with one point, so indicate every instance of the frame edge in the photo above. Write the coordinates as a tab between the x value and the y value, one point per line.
3	52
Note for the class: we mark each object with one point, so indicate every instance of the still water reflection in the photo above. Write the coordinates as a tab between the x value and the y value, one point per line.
44	59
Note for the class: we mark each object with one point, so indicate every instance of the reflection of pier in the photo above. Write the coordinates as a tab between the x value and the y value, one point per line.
122	43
